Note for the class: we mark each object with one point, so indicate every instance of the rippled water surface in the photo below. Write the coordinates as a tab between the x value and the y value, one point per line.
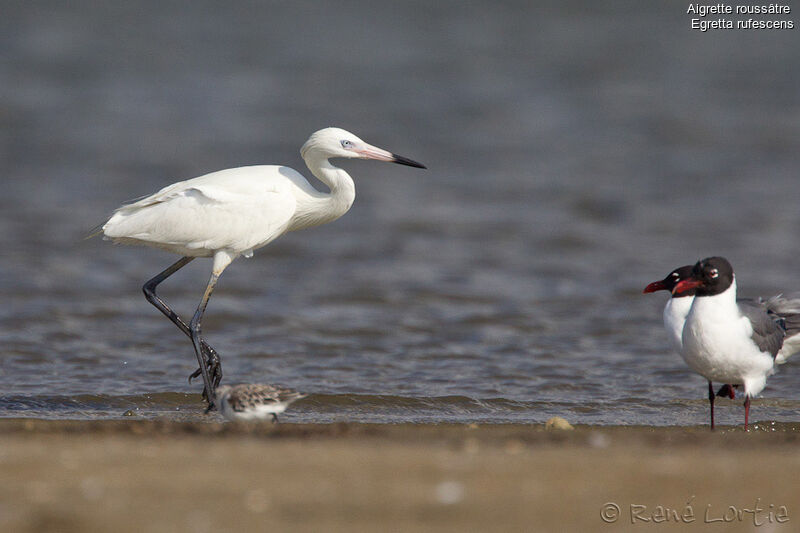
576	152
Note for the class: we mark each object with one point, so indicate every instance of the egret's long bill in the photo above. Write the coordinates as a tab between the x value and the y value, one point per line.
379	154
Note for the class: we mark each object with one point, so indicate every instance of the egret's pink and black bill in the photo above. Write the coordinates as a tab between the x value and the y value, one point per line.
367	151
399	159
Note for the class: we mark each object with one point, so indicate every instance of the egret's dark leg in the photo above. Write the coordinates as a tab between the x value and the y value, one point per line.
211	356
194	330
746	410
274	418
711	396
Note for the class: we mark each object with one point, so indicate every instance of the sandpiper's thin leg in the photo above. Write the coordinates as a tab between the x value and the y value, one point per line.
212	358
194	329
711	396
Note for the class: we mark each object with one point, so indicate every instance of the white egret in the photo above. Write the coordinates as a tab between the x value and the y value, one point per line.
231	213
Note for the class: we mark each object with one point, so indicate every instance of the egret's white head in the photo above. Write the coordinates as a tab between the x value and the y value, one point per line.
336	142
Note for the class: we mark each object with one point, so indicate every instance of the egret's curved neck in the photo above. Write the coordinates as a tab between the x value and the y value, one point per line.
343	190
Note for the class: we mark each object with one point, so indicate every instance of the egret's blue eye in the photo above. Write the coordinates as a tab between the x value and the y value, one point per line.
347	144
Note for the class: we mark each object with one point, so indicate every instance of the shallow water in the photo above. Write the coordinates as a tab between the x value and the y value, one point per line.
576	152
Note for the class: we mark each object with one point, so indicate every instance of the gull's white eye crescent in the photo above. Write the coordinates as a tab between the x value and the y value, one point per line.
675	275
713	273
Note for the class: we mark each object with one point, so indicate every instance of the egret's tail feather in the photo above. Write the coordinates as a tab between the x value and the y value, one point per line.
95	231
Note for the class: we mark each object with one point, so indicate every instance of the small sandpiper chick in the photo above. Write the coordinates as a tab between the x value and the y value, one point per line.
254	401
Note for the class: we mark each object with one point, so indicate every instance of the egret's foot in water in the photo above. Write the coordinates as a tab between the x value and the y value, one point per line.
214	366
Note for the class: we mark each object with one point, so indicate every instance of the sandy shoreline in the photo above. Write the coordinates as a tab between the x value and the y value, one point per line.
169	476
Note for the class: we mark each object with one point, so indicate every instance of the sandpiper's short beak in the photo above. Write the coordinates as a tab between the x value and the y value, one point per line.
686	285
655	286
373	152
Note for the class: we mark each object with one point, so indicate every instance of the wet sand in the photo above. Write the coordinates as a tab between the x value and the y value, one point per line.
127	476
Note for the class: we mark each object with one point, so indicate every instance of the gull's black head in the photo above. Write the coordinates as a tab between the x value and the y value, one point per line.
671	281
710	276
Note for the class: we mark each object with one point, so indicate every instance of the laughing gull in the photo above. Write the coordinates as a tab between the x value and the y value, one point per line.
726	340
785	309
677	307
675	312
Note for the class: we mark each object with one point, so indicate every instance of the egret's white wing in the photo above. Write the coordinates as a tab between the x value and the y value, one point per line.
236	210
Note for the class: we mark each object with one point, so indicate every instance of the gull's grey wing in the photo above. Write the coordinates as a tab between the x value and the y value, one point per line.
768	333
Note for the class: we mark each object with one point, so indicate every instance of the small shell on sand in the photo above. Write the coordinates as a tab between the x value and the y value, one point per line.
558	423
